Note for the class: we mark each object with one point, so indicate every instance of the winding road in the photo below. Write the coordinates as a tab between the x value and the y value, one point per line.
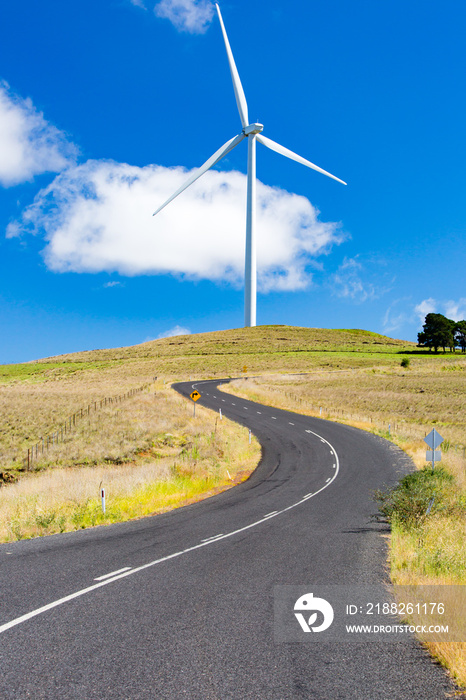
181	605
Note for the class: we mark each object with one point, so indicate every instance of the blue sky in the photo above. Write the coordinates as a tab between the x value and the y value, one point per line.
105	106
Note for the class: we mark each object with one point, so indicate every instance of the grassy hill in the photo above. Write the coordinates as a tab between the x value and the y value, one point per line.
262	340
220	353
37	398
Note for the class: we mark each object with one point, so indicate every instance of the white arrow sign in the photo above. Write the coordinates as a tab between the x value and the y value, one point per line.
433	439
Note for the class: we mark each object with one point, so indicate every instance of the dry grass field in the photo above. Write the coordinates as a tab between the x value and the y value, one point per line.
37	397
431	392
151	455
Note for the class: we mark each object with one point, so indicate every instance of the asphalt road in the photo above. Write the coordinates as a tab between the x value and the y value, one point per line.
189	612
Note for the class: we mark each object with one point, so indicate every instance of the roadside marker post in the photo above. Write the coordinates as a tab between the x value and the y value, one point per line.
249	437
220	411
433	440
102	495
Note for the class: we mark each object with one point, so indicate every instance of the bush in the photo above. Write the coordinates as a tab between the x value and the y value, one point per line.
408	501
405	362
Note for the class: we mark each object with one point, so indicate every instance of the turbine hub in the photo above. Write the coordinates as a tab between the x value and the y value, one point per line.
253	129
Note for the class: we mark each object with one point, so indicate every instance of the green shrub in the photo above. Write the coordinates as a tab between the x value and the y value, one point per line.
405	362
407	503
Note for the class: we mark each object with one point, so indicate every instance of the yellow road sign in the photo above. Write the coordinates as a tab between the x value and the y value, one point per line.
245	369
195	395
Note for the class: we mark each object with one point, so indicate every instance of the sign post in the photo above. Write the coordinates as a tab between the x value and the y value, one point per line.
433	440
195	396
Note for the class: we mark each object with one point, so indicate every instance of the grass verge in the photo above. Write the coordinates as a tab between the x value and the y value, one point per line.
150	454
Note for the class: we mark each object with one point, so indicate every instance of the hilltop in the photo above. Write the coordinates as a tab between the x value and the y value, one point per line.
276	348
260	339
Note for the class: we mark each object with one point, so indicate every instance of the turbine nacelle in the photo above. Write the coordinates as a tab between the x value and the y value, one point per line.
253	129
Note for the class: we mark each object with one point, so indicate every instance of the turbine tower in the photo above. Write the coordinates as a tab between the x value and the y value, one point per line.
253	132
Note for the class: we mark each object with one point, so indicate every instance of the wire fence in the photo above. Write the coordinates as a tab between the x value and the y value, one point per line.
59	435
379	423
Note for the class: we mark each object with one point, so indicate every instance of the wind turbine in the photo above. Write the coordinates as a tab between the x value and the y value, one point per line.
253	132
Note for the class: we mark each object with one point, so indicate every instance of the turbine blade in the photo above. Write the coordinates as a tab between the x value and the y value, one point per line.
238	88
294	156
218	155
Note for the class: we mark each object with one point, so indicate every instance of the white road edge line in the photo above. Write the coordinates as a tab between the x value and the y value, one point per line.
117	577
112	573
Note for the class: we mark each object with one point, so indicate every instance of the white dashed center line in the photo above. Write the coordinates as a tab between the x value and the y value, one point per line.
113	573
214	537
115	576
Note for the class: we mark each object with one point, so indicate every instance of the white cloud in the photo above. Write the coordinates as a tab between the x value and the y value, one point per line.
138	3
192	16
173	332
403	313
427	306
456	310
347	282
29	145
395	317
109	285
98	217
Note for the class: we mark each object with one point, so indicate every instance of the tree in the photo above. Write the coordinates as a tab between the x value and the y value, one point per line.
422	340
460	335
437	332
